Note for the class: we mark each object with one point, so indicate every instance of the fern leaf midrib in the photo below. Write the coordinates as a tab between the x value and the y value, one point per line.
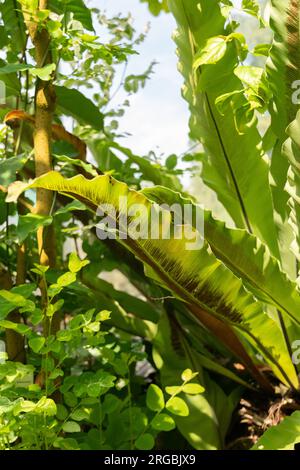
219	136
193	301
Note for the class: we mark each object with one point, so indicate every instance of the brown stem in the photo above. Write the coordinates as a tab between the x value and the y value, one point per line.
21	265
226	334
21	253
44	110
14	341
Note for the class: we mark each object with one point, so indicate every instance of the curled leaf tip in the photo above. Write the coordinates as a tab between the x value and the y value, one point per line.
15	190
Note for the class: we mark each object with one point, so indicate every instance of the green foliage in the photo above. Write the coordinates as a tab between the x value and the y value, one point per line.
73	103
236	306
284	436
157	6
124	340
29	223
92	400
155	398
227	142
76	8
211	407
283	72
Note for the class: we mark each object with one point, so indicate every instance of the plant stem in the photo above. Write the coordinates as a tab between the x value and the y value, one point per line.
15	343
44	110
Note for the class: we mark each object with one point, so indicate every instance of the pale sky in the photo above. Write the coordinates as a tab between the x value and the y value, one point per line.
158	117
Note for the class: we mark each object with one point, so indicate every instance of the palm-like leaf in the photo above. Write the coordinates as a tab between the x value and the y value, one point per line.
215	296
233	166
244	254
283	68
291	150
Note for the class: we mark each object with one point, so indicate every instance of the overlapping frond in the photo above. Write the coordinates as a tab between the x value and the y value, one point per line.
233	165
213	293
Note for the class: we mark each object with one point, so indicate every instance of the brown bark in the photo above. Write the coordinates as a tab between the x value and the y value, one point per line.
44	110
14	342
16	118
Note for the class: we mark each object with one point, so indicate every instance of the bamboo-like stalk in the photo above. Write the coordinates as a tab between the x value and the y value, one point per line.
44	109
14	342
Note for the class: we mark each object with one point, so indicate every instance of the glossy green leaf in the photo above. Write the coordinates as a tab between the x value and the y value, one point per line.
70	427
17	297
171	162
13	20
171	361
9	167
45	406
262	50
36	343
76	264
30	223
187	375
283	69
77	163
145	442
77	8
192	389
221	294
177	406
163	422
250	75
250	260
44	73
284	436
291	151
173	389
155	398
72	206
13	68
111	403
66	279
251	7
213	51
79	415
235	184
157	6
72	102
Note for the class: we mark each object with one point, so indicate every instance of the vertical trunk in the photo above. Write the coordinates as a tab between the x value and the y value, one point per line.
14	342
44	110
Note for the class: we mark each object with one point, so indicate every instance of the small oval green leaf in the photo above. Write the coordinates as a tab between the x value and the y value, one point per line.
193	389
177	406
155	398
163	422
71	426
145	442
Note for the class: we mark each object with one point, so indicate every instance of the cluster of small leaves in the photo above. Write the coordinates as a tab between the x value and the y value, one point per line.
89	367
164	409
157	6
254	86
